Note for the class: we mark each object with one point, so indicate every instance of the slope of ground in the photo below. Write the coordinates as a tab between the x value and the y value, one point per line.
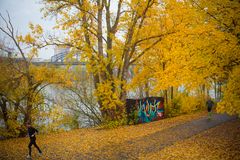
94	143
219	143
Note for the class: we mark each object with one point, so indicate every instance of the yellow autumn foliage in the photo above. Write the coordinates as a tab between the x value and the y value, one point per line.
54	119
231	100
51	75
170	43
109	98
29	39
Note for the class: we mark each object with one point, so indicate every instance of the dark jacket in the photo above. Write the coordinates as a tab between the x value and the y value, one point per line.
210	103
31	132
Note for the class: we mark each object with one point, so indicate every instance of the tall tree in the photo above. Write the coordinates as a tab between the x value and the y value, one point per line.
21	82
109	35
205	48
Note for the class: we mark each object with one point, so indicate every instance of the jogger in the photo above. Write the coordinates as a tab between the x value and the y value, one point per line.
33	142
31	132
209	105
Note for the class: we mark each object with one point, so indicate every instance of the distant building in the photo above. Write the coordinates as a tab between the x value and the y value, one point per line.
60	54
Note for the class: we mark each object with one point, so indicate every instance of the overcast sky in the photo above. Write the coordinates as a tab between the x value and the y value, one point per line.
24	11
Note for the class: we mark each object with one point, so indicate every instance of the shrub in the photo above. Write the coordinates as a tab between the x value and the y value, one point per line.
182	104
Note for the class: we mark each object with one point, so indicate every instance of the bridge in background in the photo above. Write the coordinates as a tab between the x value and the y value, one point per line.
59	63
59	57
61	54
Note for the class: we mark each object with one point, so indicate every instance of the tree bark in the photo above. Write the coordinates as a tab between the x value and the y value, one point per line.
146	89
3	105
166	97
215	90
171	91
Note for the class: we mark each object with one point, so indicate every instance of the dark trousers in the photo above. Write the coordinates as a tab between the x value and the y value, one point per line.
209	109
33	142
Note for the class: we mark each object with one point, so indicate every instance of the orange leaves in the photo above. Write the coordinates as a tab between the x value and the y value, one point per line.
221	142
87	142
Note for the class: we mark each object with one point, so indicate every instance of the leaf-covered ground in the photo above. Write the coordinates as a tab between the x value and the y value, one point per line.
90	143
219	143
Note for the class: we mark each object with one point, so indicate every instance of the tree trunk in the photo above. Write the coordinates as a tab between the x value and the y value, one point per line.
215	90
3	105
204	92
146	89
171	91
166	97
220	91
141	92
27	116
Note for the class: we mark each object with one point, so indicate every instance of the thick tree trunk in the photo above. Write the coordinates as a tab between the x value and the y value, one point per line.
29	107
3	105
27	115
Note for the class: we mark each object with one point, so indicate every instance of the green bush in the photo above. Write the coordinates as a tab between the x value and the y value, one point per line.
133	118
110	124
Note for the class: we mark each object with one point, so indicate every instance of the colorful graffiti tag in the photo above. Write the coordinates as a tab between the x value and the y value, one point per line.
145	110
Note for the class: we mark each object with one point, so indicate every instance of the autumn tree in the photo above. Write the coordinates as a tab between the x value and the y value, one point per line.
21	81
204	51
225	15
9	102
108	35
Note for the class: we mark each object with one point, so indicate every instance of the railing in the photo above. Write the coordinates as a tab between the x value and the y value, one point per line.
59	63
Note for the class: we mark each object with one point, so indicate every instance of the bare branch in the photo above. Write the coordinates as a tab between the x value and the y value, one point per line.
114	27
9	21
10	34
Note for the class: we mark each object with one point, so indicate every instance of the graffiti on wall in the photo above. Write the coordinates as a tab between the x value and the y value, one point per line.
145	110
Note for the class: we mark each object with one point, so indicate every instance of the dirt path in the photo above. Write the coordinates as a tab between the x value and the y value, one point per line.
156	141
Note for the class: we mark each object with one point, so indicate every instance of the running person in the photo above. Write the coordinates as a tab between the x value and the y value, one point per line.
209	105
31	133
